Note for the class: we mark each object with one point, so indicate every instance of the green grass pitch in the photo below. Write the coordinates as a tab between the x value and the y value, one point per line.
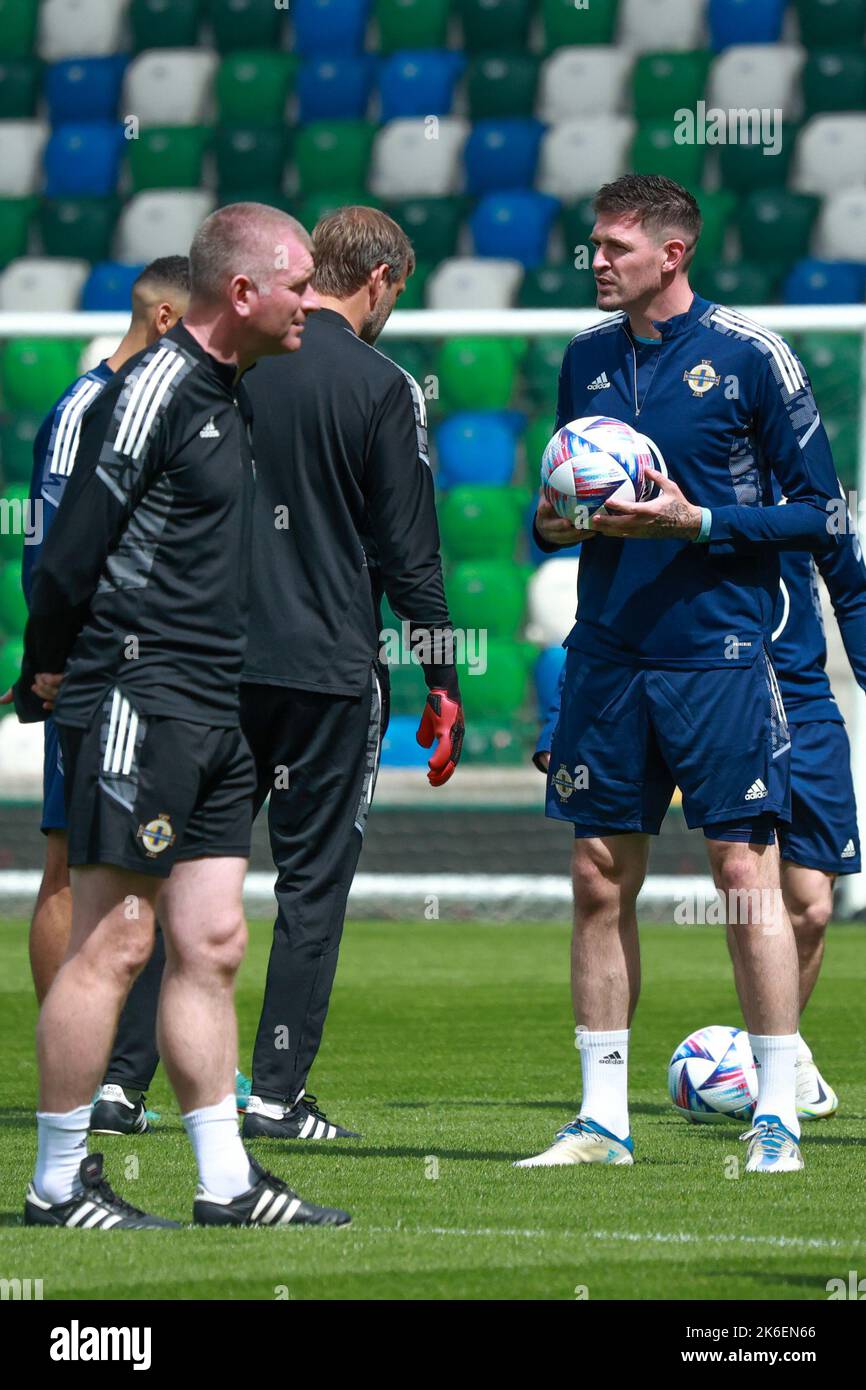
450	1047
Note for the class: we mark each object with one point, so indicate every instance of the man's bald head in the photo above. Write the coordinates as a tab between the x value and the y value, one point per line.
249	239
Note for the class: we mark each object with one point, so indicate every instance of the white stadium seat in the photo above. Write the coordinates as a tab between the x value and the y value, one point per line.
470	282
552	600
841	231
21	146
170	86
757	75
831	154
656	26
578	156
97	350
21	752
42	284
80	28
161	224
408	164
583	81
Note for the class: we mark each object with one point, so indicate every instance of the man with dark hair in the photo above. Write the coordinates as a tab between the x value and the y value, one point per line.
669	678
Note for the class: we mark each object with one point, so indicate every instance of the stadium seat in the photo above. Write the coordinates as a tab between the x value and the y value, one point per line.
584	80
272	194
666	82
492	24
83	161
831	154
16	215
502	154
480	522
499	685
170	86
13	609
411	24
831	22
756	76
717	210
16	447
165	23
833	363
548	669
81	227
35	371
335	89
36	284
330	26
475	374
565	24
19	88
161	224
552	600
655	26
432	224
578	156
84	89
487	594
333	154
18	25
12	536
744	168
655	150
80	28
21	146
514	225
406	164
476	447
167	157
109	287
499	742
317	205
540	370
501	84
557	287
414	296
841	230
825	282
578	220
469	280
742	284
250	156
536	440
400	748
247	23
834	80
776	225
252	88
745	21
419	83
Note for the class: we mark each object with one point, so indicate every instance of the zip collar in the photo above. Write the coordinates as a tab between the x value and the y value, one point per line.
679	324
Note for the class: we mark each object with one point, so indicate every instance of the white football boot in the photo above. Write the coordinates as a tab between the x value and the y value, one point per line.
582	1141
815	1099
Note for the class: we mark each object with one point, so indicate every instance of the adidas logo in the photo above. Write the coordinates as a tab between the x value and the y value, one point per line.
849	852
210	430
601	383
756	791
613	1058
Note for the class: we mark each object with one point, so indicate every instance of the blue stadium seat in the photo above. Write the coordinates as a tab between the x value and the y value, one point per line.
400	748
330	26
515	225
83	160
85	89
745	21
335	89
109	288
419	82
478	447
548	668
502	154
825	282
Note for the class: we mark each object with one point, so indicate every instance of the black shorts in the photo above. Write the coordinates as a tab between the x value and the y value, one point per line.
146	792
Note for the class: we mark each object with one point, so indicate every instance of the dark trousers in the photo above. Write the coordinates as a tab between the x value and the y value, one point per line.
318	757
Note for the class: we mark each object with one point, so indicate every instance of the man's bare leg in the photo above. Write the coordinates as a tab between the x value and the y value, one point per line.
808	895
51	923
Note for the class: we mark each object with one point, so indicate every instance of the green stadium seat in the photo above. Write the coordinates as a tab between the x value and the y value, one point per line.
19	88
13	609
35	371
565	24
12	537
536	440
480	523
834	80
411	24
15	217
316	205
541	371
666	82
776	224
475	374
168	157
165	23
577	220
500	691
488	594
246	23
497	742
718	210
333	154
502	84
18	20
491	24
413	296
250	156
833	363
80	227
744	168
743	283
831	21
655	151
11	657
557	287
431	224
252	87
16	447
408	689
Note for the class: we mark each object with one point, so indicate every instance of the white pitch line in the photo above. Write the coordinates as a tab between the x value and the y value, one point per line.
633	1237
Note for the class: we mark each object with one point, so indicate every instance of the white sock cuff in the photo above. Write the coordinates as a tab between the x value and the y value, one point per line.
610	1037
775	1042
224	1110
79	1118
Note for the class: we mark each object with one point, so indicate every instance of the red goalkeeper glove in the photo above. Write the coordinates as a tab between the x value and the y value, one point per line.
442	721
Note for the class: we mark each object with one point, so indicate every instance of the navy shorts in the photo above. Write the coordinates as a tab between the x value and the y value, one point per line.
823	830
53	803
627	737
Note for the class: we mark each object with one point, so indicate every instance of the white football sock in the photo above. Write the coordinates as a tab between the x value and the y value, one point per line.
775	1060
604	1066
223	1166
804	1051
62	1144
